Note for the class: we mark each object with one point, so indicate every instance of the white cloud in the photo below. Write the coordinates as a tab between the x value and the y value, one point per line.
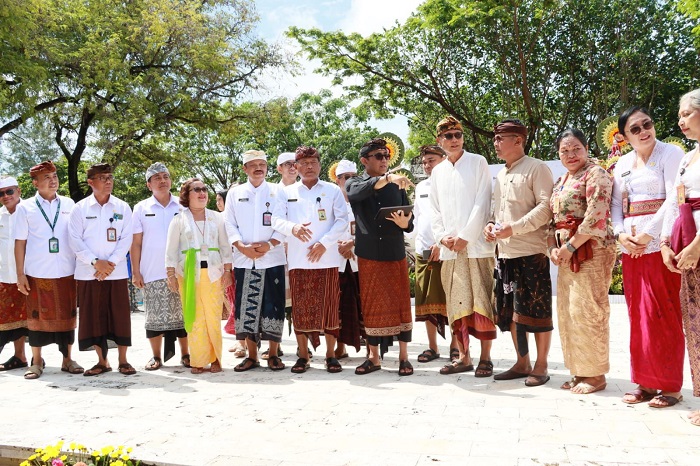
368	16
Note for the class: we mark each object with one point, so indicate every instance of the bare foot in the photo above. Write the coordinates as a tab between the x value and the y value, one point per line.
694	417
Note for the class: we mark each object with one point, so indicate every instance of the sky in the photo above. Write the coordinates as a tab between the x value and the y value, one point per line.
361	16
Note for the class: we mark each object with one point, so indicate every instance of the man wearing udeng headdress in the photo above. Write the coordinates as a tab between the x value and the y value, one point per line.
381	256
45	268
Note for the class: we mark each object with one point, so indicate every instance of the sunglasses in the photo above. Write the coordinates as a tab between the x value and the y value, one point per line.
345	176
203	189
455	135
380	155
7	192
647	125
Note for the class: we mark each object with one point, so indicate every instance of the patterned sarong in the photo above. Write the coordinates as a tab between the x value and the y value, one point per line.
430	296
13	307
583	313
352	327
163	315
524	296
52	312
690	308
105	314
386	301
316	296
13	314
657	344
468	287
259	303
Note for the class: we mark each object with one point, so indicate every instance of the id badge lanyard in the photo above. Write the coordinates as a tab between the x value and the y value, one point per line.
53	241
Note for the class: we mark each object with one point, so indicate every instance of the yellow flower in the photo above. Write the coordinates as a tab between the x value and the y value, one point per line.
64	457
72	446
24	463
125	457
118	463
108	449
129	450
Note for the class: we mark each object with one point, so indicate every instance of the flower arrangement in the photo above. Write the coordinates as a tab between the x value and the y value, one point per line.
79	455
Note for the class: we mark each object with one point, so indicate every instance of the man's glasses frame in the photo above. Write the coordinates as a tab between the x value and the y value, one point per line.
450	136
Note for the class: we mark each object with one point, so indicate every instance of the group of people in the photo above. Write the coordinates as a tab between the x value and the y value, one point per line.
334	253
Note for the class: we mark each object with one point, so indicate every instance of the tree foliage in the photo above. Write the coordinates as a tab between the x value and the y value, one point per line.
551	63
114	75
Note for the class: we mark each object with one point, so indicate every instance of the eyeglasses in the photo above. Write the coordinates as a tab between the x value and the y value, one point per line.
287	164
346	176
499	138
647	125
7	192
198	189
104	178
381	155
309	163
455	135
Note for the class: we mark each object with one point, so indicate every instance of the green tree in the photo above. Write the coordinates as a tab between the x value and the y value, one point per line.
551	63
114	75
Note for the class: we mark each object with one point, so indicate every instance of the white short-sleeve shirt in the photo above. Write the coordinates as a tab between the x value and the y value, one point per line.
153	220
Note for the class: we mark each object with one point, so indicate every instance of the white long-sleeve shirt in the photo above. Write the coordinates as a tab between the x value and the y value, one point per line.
461	200
653	181
89	222
323	207
424	213
8	269
690	179
349	234
245	206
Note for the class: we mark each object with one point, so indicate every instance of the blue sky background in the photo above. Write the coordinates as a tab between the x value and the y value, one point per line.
362	16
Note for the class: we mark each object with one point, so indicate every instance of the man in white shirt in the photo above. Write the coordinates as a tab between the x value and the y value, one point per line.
258	261
45	265
352	331
430	304
101	234
461	199
313	217
13	304
286	166
163	308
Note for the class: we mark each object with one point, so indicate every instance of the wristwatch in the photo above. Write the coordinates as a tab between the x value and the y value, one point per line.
94	261
570	247
272	246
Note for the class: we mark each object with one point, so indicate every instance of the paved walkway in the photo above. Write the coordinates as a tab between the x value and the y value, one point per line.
276	418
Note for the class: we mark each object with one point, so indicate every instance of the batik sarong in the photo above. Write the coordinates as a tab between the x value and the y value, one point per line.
52	312
431	303
163	315
524	296
468	285
690	308
13	314
105	314
205	340
316	295
259	303
583	313
352	327
657	344
385	295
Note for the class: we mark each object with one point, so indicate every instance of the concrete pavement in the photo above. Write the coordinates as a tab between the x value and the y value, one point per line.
262	417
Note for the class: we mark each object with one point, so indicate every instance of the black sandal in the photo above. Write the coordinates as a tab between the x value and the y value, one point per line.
406	367
333	366
428	355
246	365
454	354
367	367
185	360
13	363
484	369
275	363
300	366
154	364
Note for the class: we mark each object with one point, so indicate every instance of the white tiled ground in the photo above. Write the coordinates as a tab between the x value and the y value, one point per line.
278	418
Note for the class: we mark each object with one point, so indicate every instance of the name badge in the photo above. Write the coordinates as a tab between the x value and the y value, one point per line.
681	194
150	215
423	195
243	199
53	245
90	218
291	200
267	216
112	235
625	174
322	214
